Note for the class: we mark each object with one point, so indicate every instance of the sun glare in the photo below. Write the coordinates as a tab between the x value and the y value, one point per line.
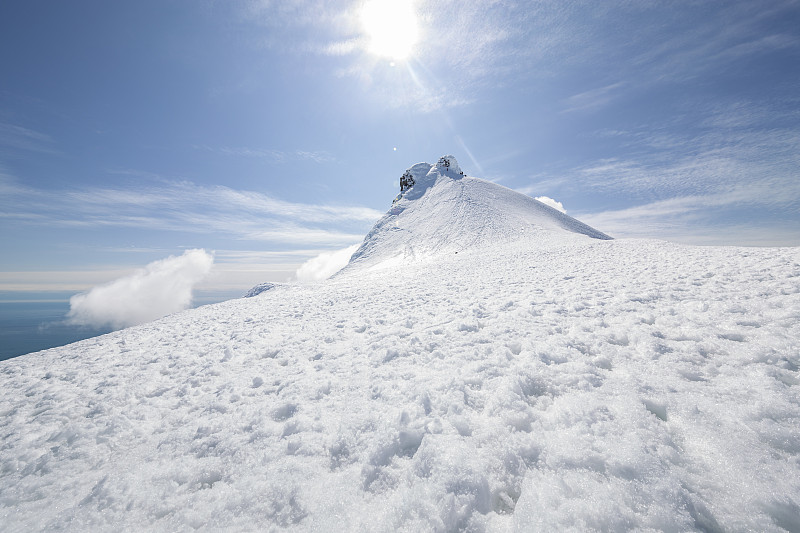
391	26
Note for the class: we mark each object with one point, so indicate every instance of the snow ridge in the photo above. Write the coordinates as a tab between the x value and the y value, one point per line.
447	212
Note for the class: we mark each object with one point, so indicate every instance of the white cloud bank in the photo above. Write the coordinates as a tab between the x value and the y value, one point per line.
546	200
160	288
325	264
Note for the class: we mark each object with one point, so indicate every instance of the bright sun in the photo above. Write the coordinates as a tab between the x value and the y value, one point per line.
391	26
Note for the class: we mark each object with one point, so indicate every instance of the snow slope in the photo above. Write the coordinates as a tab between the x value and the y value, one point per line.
545	382
448	212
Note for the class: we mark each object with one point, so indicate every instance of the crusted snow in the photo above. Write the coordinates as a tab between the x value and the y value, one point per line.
537	383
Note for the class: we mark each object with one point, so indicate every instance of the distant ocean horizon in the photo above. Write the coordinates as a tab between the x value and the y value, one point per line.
30	322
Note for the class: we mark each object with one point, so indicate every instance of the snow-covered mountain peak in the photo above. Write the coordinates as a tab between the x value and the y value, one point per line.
416	180
440	210
448	166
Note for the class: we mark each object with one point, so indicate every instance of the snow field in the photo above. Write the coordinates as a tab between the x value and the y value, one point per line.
549	384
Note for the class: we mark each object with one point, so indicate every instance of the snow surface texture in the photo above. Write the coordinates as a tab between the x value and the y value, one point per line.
258	289
544	383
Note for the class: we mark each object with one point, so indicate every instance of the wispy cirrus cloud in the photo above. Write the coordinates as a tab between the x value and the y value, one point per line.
277	156
717	170
703	201
705	164
188	207
461	47
696	220
592	99
466	47
15	139
730	31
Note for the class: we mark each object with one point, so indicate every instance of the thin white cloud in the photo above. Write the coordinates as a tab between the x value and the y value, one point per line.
757	46
238	270
756	163
461	49
735	161
649	220
701	217
736	150
160	288
18	138
542	183
305	236
187	207
692	220
465	47
276	156
546	200
729	32
316	156
263	256
593	99
690	197
57	280
325	265
343	48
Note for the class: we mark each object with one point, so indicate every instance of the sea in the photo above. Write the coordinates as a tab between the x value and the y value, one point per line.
30	322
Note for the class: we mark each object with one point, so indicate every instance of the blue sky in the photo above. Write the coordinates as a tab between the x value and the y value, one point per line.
269	131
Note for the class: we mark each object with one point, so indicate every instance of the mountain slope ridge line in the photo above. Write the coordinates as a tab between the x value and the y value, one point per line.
445	211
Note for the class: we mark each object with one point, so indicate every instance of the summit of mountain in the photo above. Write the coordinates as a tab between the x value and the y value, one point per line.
440	210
